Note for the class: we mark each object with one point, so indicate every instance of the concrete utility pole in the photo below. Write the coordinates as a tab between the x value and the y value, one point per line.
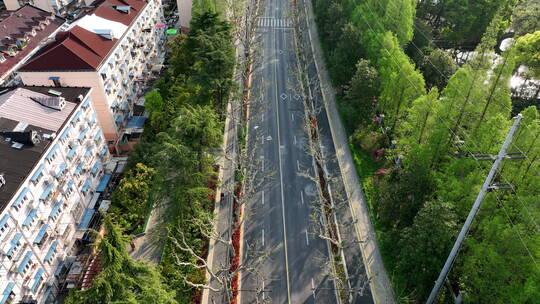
465	229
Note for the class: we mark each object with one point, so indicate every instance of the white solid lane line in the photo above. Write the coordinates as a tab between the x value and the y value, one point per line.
276	102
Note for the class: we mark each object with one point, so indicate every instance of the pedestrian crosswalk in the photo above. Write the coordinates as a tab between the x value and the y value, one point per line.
274	22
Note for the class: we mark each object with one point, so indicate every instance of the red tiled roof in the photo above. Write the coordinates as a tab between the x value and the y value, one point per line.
106	10
78	49
17	24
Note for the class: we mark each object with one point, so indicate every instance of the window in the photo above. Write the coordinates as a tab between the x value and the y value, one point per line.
4	223
77	210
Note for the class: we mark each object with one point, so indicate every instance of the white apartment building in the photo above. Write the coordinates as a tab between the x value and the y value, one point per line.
114	49
52	154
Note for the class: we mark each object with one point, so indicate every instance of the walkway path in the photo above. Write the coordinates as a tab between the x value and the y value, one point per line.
148	247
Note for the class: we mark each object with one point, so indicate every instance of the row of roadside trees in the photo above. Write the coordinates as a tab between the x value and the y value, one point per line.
173	166
413	141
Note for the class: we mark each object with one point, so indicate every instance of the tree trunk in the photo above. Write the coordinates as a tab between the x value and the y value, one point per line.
491	93
462	110
423	127
397	109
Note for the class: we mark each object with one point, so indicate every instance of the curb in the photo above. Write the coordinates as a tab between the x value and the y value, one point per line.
211	244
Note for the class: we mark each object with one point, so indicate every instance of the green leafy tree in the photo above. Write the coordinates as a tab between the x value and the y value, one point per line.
527	50
525	17
401	83
425	245
496	267
437	67
399	18
121	279
346	54
131	197
362	91
422	41
330	20
198	128
204	59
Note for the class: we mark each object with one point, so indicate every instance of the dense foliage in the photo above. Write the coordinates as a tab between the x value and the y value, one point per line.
130	200
121	279
185	131
428	115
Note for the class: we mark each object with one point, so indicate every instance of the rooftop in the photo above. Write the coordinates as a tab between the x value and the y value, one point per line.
39	119
23	30
86	45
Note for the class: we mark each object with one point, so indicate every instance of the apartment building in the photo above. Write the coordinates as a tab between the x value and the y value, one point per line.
52	154
23	32
115	49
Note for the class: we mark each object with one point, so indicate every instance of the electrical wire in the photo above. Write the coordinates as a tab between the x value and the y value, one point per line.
450	129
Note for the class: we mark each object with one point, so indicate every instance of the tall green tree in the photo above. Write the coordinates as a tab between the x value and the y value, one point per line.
346	54
437	67
399	18
200	129
205	59
362	92
131	198
121	279
525	17
527	50
401	83
425	245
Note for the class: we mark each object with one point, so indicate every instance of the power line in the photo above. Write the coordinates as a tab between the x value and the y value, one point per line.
474	210
447	78
393	59
517	231
423	54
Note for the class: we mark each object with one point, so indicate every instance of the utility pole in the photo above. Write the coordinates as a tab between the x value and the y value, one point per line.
465	229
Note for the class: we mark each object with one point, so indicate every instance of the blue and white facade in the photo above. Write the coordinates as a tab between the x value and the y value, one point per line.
39	224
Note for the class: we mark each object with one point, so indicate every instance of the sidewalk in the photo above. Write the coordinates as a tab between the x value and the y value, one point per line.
218	253
380	285
148	246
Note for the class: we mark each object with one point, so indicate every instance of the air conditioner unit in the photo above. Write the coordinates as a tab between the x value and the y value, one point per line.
48	180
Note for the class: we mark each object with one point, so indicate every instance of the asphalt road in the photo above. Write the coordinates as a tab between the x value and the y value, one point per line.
358	282
278	220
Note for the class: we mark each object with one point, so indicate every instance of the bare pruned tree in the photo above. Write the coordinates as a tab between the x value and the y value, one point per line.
244	15
221	274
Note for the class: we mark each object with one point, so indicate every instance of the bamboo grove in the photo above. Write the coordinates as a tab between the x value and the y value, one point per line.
415	120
